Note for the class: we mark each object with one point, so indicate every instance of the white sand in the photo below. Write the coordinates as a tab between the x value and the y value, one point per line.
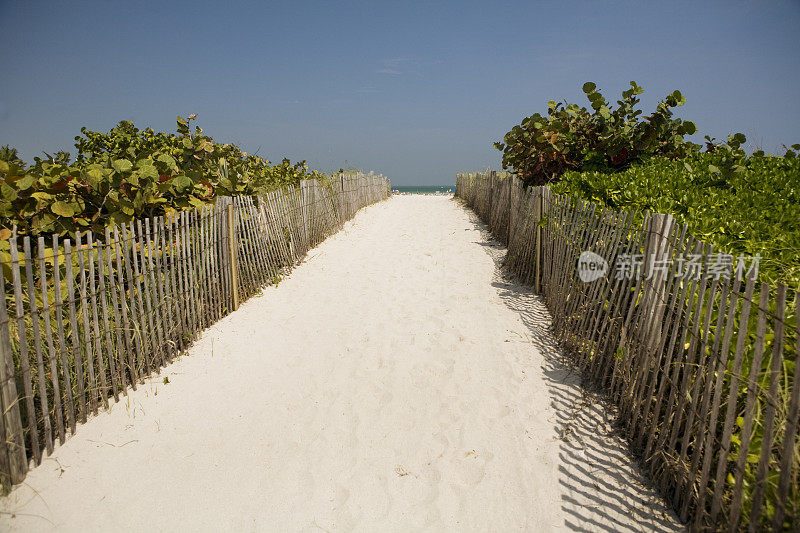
394	382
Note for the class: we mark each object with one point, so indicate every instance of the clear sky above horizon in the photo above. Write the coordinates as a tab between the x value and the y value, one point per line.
417	91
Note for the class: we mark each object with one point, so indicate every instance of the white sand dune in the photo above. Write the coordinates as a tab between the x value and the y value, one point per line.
396	381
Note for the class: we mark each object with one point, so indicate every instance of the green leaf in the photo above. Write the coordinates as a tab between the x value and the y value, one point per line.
167	159
42	196
9	193
589	87
94	176
25	182
148	172
121	165
714	169
62	209
196	202
181	182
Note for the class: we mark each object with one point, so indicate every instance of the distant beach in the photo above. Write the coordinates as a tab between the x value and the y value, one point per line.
424	189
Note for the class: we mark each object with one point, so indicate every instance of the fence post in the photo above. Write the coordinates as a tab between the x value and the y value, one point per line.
507	198
541	203
13	440
304	215
234	259
512	207
657	249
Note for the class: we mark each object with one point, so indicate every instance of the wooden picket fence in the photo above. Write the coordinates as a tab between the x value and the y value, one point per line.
702	368
83	319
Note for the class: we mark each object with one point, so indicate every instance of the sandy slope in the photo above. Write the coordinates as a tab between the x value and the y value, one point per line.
394	381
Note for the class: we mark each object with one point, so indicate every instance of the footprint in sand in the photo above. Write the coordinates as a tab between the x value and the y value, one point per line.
470	468
417	487
433	447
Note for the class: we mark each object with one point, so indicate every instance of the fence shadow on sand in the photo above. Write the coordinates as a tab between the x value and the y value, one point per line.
602	487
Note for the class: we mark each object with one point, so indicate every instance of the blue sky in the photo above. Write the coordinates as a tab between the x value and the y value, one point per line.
417	91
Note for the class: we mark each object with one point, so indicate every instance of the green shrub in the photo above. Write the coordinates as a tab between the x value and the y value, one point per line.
541	148
738	204
129	173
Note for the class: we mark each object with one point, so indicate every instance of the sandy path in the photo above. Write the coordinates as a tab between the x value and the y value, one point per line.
394	381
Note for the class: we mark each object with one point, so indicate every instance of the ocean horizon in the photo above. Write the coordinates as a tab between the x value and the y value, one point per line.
423	189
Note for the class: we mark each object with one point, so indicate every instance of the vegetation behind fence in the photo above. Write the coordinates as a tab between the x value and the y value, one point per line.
83	319
702	368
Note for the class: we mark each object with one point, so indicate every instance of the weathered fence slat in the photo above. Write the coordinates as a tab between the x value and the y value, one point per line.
37	343
52	357
121	348
133	304
33	432
102	387
711	436
164	287
155	293
145	301
14	460
87	326
752	394
62	342
700	446
176	283
77	350
110	354
731	411
790	434
776	361
674	296
124	307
